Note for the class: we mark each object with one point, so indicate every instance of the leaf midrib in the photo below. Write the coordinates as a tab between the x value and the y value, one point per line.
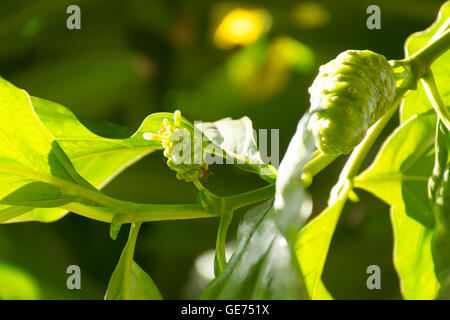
92	194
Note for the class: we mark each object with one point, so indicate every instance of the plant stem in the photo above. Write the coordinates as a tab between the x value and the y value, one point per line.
220	257
135	212
102	214
225	207
144	212
139	212
129	256
244	199
422	60
71	188
319	162
222	205
433	95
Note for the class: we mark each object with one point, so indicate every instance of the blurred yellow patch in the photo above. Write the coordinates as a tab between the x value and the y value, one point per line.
310	15
263	69
241	27
286	52
16	284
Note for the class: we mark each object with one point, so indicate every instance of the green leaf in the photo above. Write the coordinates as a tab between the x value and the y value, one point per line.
399	176
34	170
129	281
235	140
439	192
441	255
413	257
293	205
138	284
438	182
400	172
264	265
97	159
16	284
416	101
312	247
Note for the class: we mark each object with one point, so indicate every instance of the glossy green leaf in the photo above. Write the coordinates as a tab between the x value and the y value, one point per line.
413	257
399	176
312	247
438	183
235	140
294	213
97	159
439	192
416	101
264	265
34	170
292	204
441	256
400	172
129	281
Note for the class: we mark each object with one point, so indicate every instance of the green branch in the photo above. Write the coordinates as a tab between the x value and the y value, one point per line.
210	205
423	59
319	162
436	101
141	212
129	254
225	207
220	205
220	259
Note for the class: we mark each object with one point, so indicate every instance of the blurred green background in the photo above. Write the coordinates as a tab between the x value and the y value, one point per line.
210	59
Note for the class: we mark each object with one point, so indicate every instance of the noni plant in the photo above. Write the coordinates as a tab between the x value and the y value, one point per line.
52	164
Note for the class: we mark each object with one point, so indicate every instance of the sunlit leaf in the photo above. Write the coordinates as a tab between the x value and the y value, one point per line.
399	176
312	247
439	193
236	141
97	159
129	281
400	172
34	170
413	258
416	101
264	265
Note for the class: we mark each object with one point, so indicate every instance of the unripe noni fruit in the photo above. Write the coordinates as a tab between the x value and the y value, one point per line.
349	94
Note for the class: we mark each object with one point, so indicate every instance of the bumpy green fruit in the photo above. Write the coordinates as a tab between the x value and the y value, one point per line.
349	94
